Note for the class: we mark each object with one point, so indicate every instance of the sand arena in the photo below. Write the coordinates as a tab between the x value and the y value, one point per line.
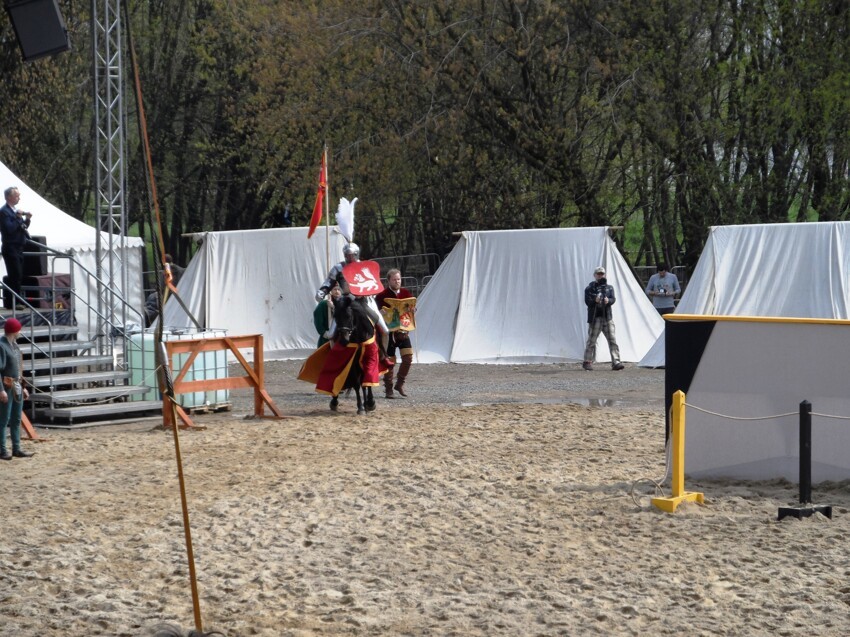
495	501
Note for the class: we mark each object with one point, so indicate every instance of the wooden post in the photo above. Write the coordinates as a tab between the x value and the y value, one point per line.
29	430
260	371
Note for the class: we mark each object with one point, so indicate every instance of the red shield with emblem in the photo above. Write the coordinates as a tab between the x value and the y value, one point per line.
363	277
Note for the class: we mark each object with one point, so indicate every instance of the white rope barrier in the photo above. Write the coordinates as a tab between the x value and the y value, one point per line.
792	413
714	413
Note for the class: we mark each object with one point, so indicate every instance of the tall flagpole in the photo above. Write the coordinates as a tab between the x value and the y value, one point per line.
327	214
163	364
329	300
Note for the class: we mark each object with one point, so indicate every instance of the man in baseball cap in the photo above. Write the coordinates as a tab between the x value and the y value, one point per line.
12	391
599	297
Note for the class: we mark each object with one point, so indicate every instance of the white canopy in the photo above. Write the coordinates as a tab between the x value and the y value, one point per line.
780	270
257	282
517	296
65	233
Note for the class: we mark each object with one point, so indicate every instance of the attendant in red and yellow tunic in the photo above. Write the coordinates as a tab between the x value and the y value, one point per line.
399	339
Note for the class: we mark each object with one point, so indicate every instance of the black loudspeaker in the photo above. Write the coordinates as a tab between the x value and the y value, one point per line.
39	27
35	258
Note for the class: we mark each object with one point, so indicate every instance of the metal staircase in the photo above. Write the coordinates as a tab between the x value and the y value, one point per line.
70	382
75	357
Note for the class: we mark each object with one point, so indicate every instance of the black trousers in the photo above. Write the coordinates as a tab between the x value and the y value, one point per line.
402	343
13	257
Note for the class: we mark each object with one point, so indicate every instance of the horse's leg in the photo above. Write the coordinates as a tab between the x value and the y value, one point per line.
334	403
360	409
369	399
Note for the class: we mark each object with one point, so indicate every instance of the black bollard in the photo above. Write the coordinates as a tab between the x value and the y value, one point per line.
805	452
806	508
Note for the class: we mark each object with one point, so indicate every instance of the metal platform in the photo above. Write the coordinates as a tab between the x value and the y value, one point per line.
41	331
67	362
90	393
115	410
61	380
55	347
84	386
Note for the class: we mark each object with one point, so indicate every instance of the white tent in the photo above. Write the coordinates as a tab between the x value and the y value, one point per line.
517	296
257	282
66	234
780	270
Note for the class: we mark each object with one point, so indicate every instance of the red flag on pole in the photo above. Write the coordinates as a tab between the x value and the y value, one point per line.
316	219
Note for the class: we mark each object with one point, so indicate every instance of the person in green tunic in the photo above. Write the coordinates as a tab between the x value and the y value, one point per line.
323	314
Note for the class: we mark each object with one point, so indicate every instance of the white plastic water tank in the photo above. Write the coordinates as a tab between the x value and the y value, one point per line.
141	362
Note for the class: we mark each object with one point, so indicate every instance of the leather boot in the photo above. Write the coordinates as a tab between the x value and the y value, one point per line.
388	383
403	369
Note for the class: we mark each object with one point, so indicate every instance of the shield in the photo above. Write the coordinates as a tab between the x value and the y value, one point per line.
399	314
363	278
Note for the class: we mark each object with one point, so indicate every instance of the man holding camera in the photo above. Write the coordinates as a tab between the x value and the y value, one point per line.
662	288
599	297
14	233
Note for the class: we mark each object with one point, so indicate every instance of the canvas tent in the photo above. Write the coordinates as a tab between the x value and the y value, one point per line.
780	270
517	296
66	234
257	282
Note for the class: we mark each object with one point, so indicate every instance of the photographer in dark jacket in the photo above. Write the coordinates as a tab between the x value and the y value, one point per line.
13	229
599	297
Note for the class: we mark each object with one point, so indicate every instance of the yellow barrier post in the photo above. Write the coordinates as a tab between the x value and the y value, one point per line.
679	494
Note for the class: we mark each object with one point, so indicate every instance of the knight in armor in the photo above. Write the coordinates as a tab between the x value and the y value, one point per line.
359	330
351	254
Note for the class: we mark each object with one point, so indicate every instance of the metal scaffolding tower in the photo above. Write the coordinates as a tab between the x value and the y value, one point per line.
110	144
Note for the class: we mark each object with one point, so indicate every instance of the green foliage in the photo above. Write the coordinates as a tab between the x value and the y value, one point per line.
449	115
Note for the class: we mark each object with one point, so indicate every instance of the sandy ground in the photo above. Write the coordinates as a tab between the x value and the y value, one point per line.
495	501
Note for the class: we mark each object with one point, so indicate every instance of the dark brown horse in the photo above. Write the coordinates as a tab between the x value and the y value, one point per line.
353	325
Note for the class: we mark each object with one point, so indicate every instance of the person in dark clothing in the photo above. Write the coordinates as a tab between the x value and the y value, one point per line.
176	270
599	297
14	233
151	308
323	314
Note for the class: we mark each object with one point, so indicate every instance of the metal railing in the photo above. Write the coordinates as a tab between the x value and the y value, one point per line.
415	269
105	336
19	301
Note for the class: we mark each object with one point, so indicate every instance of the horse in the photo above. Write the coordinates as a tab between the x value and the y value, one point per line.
353	326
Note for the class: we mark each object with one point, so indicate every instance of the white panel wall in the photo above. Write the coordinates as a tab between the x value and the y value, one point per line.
757	369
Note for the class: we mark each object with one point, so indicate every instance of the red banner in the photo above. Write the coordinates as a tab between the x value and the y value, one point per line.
316	219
